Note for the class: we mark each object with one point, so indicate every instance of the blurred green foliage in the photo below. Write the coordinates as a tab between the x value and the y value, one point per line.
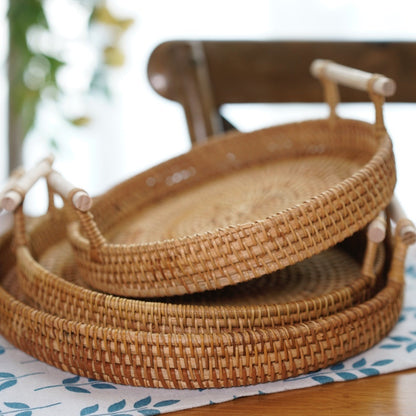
33	71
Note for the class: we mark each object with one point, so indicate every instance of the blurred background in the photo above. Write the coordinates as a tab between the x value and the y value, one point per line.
73	77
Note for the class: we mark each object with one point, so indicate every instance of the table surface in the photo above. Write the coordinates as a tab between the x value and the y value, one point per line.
388	394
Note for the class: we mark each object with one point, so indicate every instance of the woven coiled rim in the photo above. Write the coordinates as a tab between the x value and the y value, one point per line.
236	253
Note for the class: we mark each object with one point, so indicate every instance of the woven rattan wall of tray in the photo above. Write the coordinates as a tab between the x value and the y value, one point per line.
222	359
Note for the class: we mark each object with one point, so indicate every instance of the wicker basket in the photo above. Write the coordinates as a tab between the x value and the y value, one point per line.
206	359
238	207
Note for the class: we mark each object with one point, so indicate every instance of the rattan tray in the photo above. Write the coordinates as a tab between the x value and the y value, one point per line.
239	207
194	360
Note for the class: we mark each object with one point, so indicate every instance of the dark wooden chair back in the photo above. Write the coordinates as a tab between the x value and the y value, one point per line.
203	75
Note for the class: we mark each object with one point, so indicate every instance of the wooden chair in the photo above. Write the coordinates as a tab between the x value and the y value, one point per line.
204	75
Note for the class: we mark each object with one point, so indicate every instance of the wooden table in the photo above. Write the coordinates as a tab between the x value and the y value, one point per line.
386	395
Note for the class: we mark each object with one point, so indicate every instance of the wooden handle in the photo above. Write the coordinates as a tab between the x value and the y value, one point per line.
376	231
14	196
407	231
353	78
14	177
80	199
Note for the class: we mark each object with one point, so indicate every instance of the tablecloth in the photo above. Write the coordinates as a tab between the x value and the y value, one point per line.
29	387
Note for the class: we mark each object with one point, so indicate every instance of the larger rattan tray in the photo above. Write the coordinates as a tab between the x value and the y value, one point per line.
97	346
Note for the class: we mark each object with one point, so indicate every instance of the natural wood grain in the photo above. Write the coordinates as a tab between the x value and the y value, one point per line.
385	395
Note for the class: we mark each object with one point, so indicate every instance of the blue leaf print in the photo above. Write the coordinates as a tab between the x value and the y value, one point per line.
166	403
117	406
16	405
401	318
337	367
389	346
142	402
71	380
6	375
382	362
400	339
323	379
76	389
411	347
149	412
347	376
88	410
359	363
103	386
7	384
2	350
370	371
27	413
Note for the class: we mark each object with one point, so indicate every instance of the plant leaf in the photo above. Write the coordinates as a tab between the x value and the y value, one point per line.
17	405
347	376
7	384
400	339
88	410
166	403
337	367
359	363
103	386
77	389
323	379
382	362
411	347
142	402
117	406
149	412
370	371
6	375
71	380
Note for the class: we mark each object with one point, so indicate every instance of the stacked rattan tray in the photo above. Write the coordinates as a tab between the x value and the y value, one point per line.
278	216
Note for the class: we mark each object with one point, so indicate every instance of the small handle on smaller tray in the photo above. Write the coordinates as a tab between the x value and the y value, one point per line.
18	187
405	235
378	86
405	228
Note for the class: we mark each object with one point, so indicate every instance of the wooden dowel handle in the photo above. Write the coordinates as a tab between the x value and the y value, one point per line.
14	196
407	230
351	77
80	199
14	177
376	231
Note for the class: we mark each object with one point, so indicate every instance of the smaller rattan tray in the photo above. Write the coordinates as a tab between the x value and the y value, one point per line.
240	206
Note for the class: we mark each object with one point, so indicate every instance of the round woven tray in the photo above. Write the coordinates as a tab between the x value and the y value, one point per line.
322	285
195	360
234	209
